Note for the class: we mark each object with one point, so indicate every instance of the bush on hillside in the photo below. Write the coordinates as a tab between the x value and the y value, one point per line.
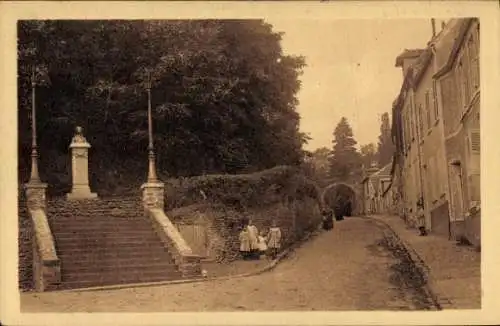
282	194
241	191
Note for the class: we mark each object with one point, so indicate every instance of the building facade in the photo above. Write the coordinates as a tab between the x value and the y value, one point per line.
459	81
435	174
375	185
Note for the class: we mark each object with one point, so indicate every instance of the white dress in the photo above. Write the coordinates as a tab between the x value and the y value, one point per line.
262	243
253	235
274	238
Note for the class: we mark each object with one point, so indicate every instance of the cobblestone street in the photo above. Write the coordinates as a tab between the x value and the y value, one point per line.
349	268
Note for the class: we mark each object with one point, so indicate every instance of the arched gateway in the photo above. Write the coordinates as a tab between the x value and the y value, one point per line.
344	194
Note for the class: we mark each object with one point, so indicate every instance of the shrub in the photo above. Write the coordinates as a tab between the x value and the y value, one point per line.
282	194
241	191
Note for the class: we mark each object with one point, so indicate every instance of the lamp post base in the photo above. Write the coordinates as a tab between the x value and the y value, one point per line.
80	194
152	195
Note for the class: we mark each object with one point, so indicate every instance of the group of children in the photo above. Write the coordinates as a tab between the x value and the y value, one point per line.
253	244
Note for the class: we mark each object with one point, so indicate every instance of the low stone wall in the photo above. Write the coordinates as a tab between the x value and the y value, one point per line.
46	264
472	229
295	219
189	264
25	247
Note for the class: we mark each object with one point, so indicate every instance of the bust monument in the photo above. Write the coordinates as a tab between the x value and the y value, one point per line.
79	167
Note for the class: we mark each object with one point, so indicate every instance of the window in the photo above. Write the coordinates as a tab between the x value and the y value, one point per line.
421	119
435	99
474	62
463	84
428	110
475	151
412	122
475	142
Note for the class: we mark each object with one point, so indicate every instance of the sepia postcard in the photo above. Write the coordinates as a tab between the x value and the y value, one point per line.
249	163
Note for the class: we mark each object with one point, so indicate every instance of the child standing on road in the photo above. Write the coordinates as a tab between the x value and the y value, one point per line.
253	236
244	244
274	240
262	244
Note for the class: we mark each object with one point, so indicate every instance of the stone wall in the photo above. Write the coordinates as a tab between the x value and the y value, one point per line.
472	229
25	271
295	218
440	220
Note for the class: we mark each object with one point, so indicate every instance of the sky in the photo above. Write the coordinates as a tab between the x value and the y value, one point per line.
351	71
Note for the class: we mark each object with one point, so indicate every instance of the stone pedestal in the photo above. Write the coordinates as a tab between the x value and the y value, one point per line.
152	195
80	168
36	195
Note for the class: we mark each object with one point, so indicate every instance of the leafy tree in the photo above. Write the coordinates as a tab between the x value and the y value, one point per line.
345	160
385	148
368	154
318	164
223	97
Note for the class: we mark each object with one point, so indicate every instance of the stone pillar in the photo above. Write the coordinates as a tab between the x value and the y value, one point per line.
79	148
152	195
36	195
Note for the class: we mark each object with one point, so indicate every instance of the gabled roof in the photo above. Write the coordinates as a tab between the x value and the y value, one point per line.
420	66
450	44
407	54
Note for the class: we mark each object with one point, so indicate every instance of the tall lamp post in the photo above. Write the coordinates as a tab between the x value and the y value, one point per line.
153	189
152	177
35	188
35	176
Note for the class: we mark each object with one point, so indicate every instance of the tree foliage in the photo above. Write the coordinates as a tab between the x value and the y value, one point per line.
385	148
223	96
345	159
368	154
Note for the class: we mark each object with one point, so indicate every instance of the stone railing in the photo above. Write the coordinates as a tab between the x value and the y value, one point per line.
189	264
46	264
472	226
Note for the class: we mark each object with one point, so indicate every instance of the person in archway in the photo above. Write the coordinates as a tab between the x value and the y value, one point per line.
338	210
327	219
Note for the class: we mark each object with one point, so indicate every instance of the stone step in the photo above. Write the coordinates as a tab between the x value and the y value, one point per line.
116	276
119	280
79	246
71	226
107	234
118	251
142	260
122	268
89	225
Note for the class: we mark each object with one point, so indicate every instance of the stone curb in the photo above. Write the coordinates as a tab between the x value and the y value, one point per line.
281	256
415	258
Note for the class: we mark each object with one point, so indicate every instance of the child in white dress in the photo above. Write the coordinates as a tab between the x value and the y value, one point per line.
244	244
262	244
274	240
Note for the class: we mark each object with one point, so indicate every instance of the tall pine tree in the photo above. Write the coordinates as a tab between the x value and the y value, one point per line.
385	149
345	160
368	154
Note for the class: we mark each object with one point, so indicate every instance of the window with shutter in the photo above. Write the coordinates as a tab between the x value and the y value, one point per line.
475	142
435	99
421	122
427	110
475	150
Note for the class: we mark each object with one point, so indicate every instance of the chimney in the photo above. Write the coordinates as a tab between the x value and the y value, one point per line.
433	22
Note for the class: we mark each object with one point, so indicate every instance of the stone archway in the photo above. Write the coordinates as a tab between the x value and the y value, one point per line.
354	196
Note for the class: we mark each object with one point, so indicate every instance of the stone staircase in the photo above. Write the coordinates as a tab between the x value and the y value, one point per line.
106	242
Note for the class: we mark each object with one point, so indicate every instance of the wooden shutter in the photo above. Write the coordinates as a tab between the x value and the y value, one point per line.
435	99
475	150
475	142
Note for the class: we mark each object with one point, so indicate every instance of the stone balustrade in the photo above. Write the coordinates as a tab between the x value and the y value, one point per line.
46	264
189	263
